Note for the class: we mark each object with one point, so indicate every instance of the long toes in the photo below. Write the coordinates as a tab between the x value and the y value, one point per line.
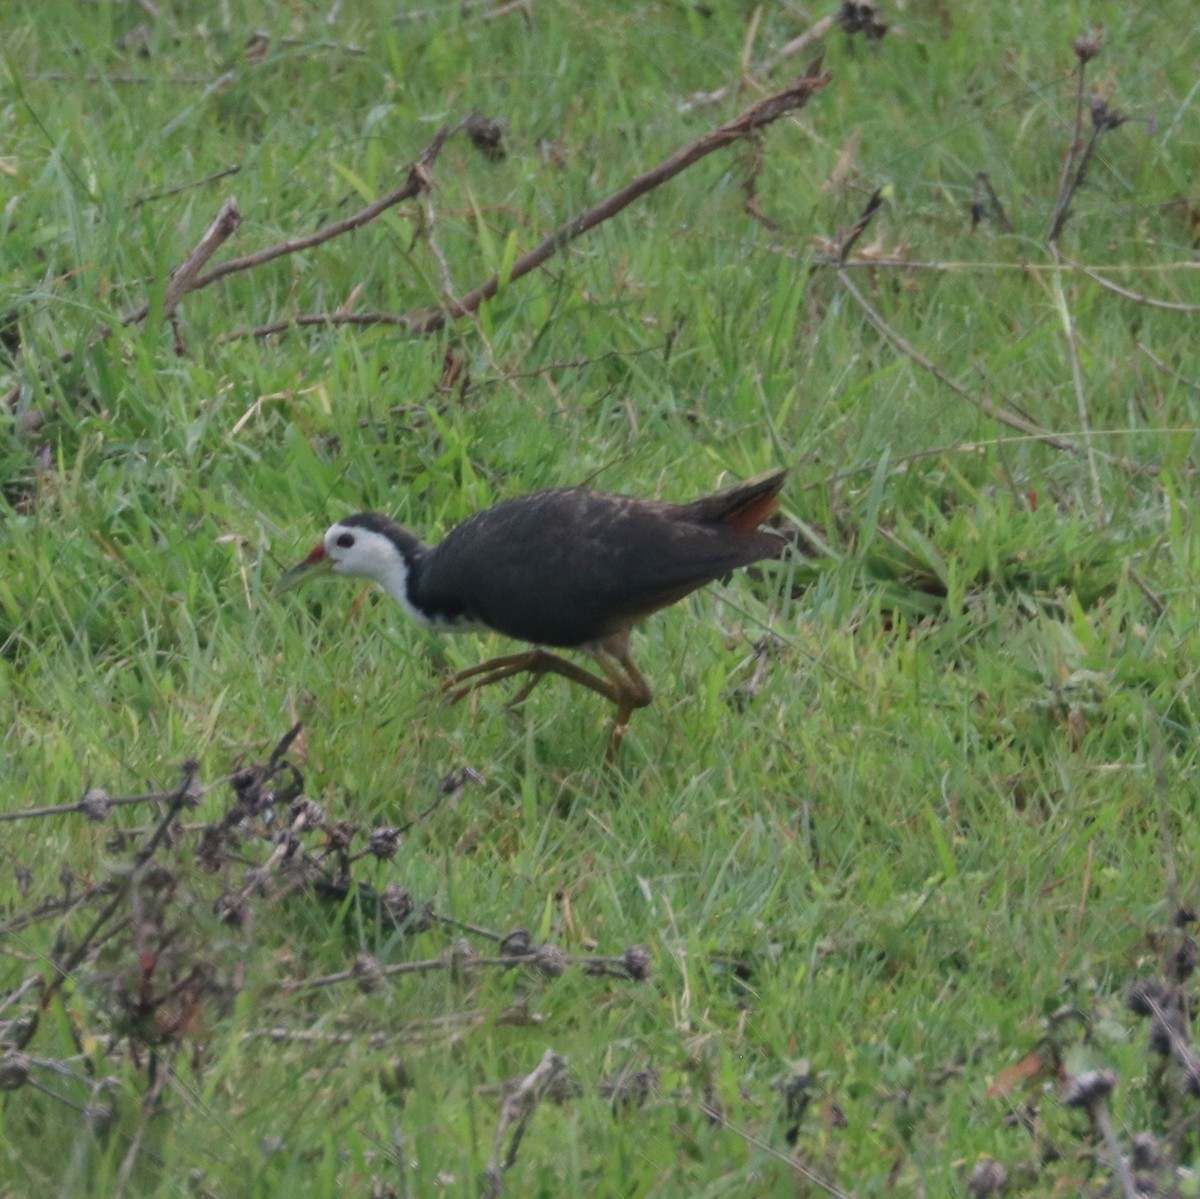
522	695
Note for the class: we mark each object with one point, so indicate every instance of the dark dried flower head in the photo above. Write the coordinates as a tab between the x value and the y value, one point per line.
1089	1088
564	1086
94	804
1184	916
862	16
15	1069
460	957
99	1118
988	1177
1183	960
232	909
383	842
245	782
636	961
550	960
797	1090
630	1089
1105	118
517	944
19	1032
310	810
367	972
1088	45
339	836
396	903
1168	1028
1145	994
1147	1152
156	877
487	136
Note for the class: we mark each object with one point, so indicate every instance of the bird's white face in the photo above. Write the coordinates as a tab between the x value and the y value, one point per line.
363	553
359	552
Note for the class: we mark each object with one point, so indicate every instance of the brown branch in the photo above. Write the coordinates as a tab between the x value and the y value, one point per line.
149	197
1065	190
329	319
183	795
984	184
151	1105
798	44
516	1112
1169	371
847	240
417	179
183	279
414	184
430	320
793	97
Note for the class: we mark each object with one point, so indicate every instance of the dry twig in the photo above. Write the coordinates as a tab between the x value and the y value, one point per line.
516	1112
995	411
1125	293
791	98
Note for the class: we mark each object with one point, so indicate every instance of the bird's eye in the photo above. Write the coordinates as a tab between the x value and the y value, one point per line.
345	540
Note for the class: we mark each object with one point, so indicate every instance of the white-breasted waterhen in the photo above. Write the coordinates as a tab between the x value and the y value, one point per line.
570	568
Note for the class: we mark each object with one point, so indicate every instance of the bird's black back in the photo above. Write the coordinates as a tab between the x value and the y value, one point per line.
570	566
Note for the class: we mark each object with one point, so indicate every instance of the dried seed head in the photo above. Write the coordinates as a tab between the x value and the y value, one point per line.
99	1118
156	877
861	16
383	842
94	804
1147	1152
1145	994
517	944
630	1089
487	136
367	972
19	1032
1088	45
460	957
564	1086
231	908
396	903
636	961
1183	960
1089	1088
988	1177
1167	1028
339	836
550	960
15	1069
1105	118
310	810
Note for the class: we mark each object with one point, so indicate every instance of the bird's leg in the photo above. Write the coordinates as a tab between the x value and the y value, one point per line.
629	685
536	663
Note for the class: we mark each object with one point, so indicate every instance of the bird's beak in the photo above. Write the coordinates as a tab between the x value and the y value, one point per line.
316	563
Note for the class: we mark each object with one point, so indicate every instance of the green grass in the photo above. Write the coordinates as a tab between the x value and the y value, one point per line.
939	820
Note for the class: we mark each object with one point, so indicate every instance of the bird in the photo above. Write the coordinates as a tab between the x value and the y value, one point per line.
571	568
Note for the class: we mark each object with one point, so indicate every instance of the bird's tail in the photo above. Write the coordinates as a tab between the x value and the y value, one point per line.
744	506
